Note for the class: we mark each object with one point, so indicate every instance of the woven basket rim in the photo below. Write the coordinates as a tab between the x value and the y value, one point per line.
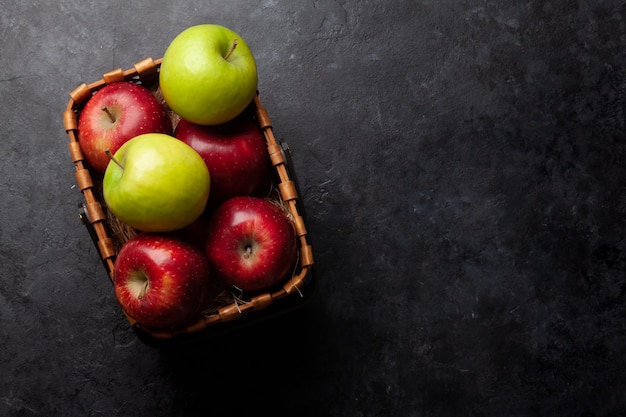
146	72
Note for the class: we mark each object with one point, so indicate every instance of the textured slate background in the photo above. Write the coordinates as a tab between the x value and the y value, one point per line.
461	165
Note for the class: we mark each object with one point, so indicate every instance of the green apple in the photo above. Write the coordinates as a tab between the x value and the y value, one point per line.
208	74
156	183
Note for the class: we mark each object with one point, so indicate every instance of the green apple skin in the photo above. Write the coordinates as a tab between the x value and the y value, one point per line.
164	185
199	84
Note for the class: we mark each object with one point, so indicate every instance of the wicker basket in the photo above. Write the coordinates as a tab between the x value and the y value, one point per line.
108	240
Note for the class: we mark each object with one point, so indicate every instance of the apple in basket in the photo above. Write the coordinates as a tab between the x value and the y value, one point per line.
235	153
156	183
251	243
208	74
113	115
160	280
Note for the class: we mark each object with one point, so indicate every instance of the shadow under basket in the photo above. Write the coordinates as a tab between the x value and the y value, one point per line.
232	309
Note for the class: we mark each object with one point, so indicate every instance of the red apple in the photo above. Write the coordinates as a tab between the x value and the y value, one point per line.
113	115
195	233
161	280
235	153
251	243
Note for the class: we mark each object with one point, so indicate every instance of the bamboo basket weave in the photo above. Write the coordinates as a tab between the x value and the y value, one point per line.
105	231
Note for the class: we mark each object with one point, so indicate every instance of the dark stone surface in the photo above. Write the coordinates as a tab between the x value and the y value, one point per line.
462	168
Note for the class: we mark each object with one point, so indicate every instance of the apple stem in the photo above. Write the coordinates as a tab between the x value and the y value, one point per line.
108	112
143	290
114	159
248	252
232	48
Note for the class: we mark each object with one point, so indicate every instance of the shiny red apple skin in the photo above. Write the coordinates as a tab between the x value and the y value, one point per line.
235	153
135	111
177	274
251	243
